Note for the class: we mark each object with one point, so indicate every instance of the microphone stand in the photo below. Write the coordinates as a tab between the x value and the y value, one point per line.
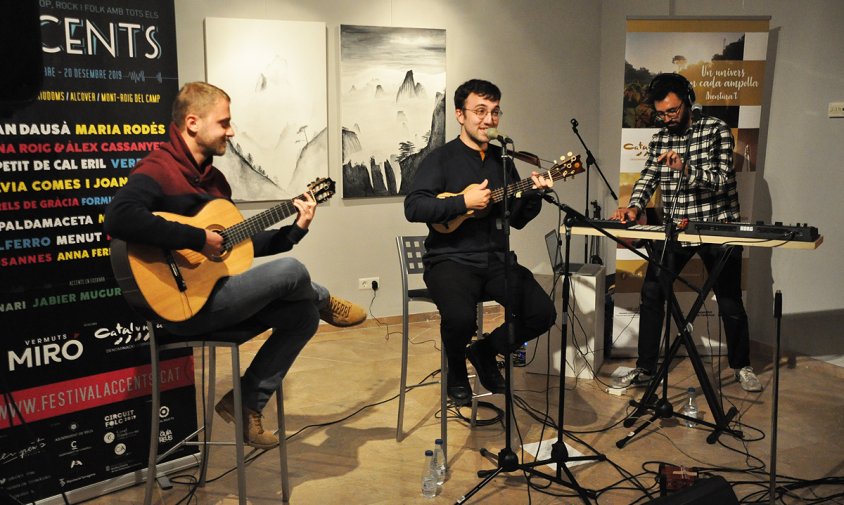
506	461
590	160
663	406
559	452
775	400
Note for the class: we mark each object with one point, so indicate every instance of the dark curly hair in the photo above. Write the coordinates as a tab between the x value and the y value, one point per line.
484	89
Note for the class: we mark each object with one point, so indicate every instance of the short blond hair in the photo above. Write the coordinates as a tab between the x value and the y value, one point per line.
196	98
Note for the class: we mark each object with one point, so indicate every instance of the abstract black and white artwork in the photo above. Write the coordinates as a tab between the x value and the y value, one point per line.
275	73
392	105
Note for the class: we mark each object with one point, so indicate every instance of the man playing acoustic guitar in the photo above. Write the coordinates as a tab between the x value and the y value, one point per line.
179	178
464	261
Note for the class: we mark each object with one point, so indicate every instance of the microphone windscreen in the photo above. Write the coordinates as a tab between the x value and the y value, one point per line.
495	134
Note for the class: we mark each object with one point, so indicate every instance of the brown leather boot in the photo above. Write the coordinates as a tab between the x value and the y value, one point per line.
254	434
342	313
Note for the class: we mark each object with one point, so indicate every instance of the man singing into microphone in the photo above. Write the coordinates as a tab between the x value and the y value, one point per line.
465	265
707	192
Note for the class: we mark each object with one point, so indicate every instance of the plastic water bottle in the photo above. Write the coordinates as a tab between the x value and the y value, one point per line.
690	408
429	476
438	461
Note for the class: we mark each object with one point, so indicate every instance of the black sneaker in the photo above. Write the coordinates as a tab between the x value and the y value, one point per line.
459	391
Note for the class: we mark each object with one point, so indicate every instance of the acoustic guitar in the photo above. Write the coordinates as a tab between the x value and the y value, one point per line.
567	167
175	284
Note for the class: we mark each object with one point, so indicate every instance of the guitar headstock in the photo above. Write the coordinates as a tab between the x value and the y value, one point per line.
568	166
322	189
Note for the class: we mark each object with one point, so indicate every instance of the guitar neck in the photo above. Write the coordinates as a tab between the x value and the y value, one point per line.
259	222
557	172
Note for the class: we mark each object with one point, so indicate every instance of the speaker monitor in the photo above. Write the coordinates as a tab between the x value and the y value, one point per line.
703	492
584	352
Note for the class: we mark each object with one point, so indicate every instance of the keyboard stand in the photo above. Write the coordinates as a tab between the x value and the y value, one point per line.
660	407
649	402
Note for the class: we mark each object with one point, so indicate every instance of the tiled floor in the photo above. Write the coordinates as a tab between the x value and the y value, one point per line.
358	461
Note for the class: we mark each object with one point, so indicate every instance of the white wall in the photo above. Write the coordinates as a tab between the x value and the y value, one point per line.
540	53
560	59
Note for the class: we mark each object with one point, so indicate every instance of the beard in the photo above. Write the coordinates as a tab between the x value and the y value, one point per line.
678	126
221	148
213	146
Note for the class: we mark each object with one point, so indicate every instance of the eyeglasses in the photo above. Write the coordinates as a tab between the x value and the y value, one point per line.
482	112
670	112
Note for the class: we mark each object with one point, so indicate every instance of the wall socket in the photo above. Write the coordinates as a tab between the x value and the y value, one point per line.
366	282
836	109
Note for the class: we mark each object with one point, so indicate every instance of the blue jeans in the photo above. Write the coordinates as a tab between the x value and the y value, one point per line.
277	294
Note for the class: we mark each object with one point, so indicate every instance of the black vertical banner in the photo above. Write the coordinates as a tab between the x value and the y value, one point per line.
74	375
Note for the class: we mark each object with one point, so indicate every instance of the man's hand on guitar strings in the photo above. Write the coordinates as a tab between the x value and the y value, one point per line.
306	209
542	180
214	244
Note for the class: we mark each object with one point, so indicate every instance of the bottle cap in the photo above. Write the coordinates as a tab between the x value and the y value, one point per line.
429	452
438	441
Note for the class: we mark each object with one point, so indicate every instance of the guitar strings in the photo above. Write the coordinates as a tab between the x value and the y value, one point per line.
248	227
526	184
258	222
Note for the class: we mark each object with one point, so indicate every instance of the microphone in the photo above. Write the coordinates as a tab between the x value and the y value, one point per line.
697	110
494	134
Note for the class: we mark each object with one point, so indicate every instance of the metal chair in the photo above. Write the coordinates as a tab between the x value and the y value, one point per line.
226	338
411	250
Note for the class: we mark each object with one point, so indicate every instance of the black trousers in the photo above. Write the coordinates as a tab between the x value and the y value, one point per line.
727	289
456	290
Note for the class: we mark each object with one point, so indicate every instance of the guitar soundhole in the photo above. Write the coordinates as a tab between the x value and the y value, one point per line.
220	258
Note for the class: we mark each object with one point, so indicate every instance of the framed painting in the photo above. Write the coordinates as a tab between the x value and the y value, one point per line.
275	73
392	105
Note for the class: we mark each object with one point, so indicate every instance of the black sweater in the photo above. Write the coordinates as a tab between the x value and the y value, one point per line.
450	169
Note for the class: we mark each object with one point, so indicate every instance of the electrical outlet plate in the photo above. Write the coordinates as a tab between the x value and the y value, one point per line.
365	283
836	109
